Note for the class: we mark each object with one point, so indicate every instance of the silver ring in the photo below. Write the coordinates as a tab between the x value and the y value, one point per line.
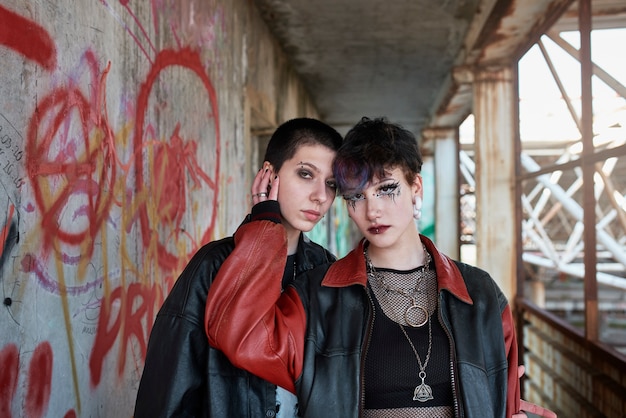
262	194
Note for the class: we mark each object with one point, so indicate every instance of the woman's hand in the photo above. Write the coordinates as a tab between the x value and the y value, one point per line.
265	185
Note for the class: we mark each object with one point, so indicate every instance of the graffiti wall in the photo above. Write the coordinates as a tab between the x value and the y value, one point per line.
123	149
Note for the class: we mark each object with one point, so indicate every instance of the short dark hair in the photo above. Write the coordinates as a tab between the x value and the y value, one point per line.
294	133
371	148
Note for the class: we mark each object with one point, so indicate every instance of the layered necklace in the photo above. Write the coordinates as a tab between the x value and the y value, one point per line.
414	314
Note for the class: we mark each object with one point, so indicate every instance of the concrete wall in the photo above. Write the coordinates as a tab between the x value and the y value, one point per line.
127	140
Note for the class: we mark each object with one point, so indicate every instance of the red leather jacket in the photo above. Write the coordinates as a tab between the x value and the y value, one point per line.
310	338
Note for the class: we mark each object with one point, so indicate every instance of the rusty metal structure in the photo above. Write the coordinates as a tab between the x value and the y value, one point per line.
532	207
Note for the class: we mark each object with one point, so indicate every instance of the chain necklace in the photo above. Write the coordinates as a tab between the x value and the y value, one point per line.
414	312
422	392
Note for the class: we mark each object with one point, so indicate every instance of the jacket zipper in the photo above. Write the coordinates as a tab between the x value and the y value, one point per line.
366	344
455	389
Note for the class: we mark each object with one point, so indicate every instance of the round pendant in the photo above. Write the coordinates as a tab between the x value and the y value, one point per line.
410	321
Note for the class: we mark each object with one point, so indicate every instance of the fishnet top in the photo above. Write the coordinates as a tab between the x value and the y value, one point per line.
391	367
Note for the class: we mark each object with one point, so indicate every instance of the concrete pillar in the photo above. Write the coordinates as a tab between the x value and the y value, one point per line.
538	293
446	153
496	121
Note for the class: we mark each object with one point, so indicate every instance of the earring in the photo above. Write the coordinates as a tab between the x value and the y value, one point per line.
417	208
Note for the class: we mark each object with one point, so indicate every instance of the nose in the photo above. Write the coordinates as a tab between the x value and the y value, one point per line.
320	193
373	208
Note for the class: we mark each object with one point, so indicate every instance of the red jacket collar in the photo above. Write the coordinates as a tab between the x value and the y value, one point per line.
350	270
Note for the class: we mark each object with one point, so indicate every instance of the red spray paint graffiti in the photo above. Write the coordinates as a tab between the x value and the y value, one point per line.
27	38
38	383
88	169
190	60
133	320
83	169
9	371
71	157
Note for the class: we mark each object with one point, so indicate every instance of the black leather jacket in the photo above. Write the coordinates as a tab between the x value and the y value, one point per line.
311	338
183	376
473	311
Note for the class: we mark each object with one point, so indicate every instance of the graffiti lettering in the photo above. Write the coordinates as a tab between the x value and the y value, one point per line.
10	152
8	169
133	318
89	330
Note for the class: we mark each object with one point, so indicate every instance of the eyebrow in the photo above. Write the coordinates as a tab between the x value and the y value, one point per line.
311	165
380	181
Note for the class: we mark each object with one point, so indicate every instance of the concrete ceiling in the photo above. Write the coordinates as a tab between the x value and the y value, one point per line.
408	60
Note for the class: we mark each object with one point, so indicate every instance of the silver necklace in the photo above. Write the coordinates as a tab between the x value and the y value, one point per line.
422	392
414	309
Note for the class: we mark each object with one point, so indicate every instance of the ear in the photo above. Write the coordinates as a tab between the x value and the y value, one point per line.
417	186
269	166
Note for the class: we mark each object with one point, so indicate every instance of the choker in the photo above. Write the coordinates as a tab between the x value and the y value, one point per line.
415	315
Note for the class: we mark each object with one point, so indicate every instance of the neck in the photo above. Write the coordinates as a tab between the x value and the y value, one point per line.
293	237
403	256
